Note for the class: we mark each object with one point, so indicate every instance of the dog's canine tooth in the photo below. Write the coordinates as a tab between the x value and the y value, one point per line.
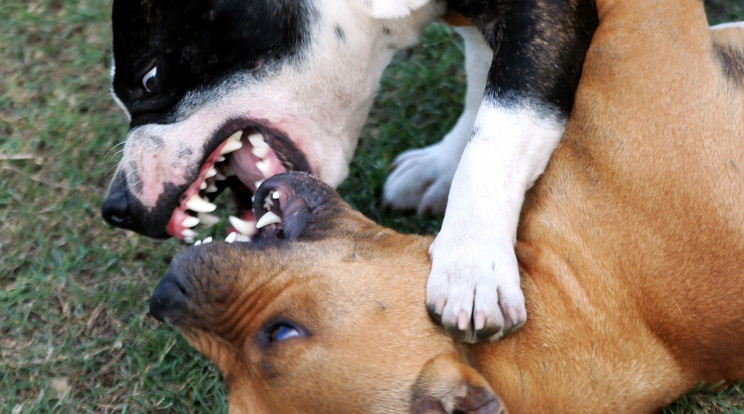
243	227
233	143
199	205
211	172
221	158
267	219
275	195
212	188
203	185
190	221
208	219
220	177
235	137
263	166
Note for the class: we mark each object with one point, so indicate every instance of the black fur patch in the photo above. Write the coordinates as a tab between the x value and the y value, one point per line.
340	33
539	47
197	42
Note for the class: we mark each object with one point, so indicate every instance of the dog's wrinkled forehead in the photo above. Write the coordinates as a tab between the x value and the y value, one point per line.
165	48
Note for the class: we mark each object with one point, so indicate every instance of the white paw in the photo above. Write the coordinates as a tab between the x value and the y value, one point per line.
420	180
474	290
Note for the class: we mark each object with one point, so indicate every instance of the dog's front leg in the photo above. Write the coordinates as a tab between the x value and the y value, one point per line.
420	178
474	286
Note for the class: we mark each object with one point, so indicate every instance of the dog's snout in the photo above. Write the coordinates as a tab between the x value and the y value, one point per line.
115	209
122	209
169	300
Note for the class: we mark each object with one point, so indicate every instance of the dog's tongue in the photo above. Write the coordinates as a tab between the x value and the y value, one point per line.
250	169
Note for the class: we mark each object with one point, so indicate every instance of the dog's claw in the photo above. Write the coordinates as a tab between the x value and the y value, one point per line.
474	292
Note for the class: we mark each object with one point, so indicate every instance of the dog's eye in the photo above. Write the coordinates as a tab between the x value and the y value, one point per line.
148	81
279	330
282	332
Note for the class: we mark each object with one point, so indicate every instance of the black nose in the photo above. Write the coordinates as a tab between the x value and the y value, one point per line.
121	209
170	300
115	209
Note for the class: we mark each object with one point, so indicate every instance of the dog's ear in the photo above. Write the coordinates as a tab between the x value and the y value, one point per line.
391	9
447	385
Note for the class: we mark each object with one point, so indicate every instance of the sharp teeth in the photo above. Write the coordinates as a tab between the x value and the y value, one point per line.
258	184
220	177
211	173
268	202
242	226
208	219
275	195
212	188
203	185
221	159
199	205
237	237
236	136
190	221
260	152
233	143
257	140
260	147
205	241
267	219
188	235
263	166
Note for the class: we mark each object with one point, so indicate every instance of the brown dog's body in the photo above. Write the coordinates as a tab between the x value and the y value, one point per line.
631	248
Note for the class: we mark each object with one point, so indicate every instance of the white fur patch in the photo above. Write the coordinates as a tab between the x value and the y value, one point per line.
319	99
391	9
734	25
421	178
474	272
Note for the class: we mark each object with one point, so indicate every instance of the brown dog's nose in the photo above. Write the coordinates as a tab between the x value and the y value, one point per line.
169	300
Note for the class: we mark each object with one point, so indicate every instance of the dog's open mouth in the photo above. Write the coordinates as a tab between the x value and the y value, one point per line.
240	163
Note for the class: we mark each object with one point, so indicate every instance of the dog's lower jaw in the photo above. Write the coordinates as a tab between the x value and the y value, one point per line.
474	284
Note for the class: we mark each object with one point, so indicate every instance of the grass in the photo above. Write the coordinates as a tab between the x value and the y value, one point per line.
75	336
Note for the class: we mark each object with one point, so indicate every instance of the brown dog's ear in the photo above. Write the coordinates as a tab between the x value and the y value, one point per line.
446	385
287	204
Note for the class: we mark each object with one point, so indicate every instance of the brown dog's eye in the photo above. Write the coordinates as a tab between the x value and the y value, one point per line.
148	81
282	332
279	330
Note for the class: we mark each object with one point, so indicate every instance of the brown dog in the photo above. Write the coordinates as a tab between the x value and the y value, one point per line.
631	248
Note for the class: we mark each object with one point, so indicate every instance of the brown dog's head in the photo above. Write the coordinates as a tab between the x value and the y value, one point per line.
322	312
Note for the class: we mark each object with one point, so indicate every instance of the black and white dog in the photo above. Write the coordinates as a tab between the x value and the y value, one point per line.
225	93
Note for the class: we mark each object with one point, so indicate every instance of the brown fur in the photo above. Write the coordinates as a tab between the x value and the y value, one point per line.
631	248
